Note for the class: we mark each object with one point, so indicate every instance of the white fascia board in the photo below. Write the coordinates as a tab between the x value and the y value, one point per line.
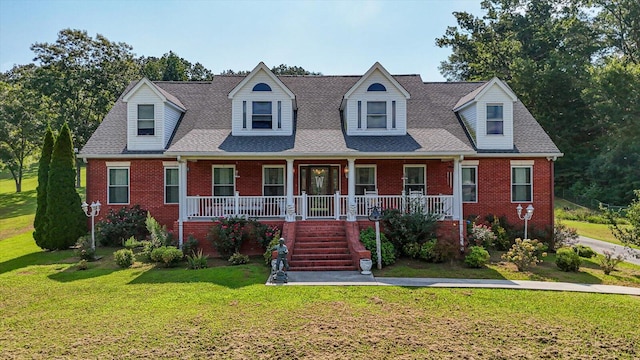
518	155
502	85
124	156
385	73
368	155
143	81
261	66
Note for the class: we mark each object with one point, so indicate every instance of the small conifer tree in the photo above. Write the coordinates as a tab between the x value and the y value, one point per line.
65	220
43	178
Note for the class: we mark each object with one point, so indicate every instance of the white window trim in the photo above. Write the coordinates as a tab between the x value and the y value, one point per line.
375	174
511	183
109	168
476	183
164	171
213	177
284	177
486	116
138	120
404	174
250	116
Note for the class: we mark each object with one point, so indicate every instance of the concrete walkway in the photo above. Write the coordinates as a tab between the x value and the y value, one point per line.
354	278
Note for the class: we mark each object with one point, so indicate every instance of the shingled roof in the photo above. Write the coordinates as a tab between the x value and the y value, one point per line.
433	128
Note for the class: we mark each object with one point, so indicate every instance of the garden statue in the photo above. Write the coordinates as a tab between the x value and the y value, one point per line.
282	255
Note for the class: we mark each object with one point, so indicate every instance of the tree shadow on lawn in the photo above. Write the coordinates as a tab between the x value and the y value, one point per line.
36	258
17	204
232	277
73	273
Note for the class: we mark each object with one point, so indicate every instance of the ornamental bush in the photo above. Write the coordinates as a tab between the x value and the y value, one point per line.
477	257
124	258
564	236
43	178
238	259
83	248
609	262
197	261
408	227
168	255
228	234
427	250
524	253
482	236
584	251
567	260
118	226
387	250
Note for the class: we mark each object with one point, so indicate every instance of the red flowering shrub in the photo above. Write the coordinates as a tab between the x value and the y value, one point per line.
228	234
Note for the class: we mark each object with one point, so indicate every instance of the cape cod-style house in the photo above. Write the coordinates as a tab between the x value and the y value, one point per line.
313	154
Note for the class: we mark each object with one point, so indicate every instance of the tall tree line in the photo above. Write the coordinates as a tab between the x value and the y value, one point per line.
575	65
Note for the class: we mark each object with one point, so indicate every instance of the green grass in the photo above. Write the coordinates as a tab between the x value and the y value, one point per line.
50	309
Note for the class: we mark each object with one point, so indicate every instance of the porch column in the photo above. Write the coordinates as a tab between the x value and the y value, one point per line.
351	212
182	199
457	197
291	209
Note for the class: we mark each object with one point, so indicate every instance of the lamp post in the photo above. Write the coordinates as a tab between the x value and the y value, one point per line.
376	216
526	217
95	210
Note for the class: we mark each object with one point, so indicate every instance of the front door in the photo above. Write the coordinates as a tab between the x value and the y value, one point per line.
320	182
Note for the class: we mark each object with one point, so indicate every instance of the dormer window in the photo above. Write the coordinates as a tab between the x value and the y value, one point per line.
261	115
376	115
146	120
495	121
262	87
376	87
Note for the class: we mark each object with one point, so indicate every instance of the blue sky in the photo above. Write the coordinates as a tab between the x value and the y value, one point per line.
332	37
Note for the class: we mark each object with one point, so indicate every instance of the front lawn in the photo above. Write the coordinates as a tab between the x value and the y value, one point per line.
50	309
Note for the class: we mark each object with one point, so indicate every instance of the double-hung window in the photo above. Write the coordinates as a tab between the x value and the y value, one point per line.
262	117
224	180
469	183
376	114
171	185
273	181
521	184
365	179
118	185
495	122
414	179
146	120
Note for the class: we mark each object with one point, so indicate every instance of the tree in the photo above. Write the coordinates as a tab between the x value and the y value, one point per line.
543	49
171	67
39	233
619	22
629	235
23	113
64	219
284	69
83	76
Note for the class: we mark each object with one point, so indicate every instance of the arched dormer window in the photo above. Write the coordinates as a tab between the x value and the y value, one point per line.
376	87
262	87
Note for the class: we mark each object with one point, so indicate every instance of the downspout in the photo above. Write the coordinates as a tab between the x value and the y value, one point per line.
182	170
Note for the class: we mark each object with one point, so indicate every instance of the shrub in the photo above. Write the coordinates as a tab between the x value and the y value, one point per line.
131	243
504	231
477	257
121	225
238	259
83	265
39	221
564	236
412	250
168	255
427	250
567	260
609	262
197	261
387	250
448	246
83	248
190	246
124	258
273	243
408	227
158	233
482	236
227	235
524	253
584	251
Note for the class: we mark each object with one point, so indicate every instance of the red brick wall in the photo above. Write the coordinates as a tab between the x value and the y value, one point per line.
494	192
146	188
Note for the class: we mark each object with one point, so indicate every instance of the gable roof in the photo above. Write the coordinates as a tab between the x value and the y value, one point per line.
161	93
433	128
477	93
261	67
385	73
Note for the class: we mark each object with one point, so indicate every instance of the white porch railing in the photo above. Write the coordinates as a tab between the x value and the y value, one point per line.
306	206
223	206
